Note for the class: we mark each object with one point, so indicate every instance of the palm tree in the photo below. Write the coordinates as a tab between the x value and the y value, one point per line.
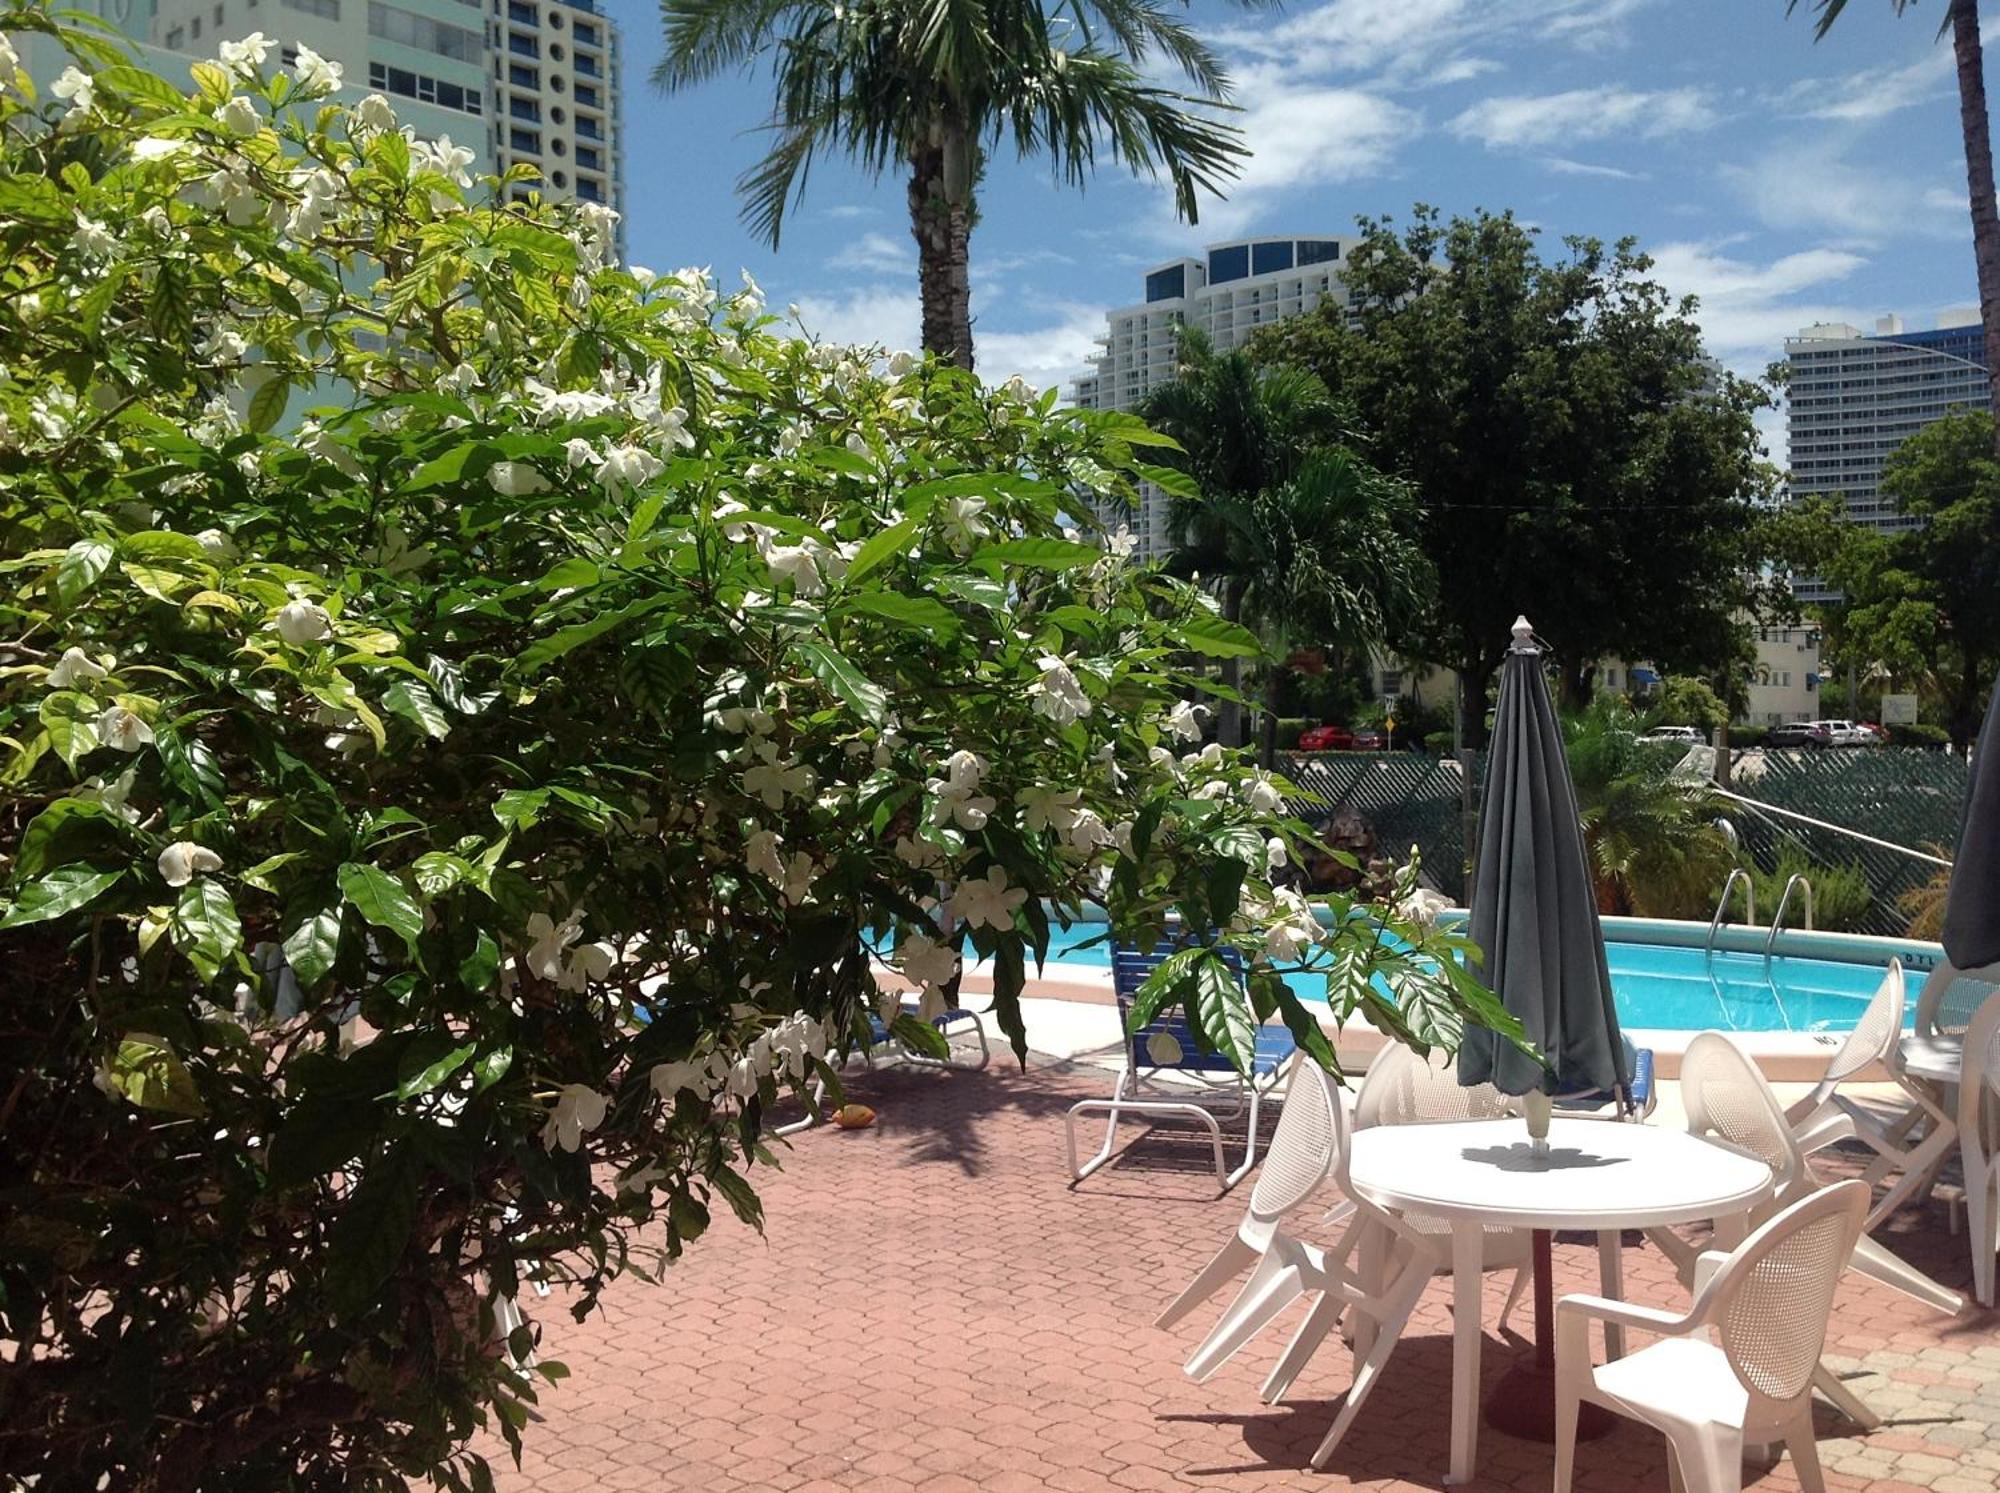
1297	534
931	87
1962	20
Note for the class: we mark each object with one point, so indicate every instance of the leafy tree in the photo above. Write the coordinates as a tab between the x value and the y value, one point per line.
1841	897
1573	453
1961	19
1655	850
932	87
1690	702
1278	512
438	823
1926	601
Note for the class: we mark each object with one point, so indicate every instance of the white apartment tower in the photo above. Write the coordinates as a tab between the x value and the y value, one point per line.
1228	292
556	80
1854	397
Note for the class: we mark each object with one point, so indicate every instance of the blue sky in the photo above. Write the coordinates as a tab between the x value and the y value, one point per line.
1782	181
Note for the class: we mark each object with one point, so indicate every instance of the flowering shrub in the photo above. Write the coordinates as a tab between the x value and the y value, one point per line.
473	718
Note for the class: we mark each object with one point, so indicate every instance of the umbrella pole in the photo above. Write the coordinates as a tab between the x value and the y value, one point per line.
1523	1403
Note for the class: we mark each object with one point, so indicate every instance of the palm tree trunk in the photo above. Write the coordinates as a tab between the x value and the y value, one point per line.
1968	53
943	231
1229	723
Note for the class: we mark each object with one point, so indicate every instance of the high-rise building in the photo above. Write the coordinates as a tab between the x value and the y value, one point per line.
535	82
1229	292
1854	397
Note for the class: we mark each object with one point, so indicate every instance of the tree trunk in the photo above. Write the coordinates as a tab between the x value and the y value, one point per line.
1472	676
1966	49
943	231
1229	721
1579	685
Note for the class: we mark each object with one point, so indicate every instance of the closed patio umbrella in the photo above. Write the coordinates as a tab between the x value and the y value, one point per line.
1534	918
1972	906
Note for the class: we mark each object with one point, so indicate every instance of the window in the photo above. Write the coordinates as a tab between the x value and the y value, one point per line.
588	129
1264	258
1318	250
176	39
401	81
516	11
523	77
523	46
1231	263
586	93
411	30
590	157
586	32
330	9
1162	285
587	66
590	190
523	108
529	140
218	15
194	28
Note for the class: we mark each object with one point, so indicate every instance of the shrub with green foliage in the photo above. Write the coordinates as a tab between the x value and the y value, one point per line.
474	720
1840	892
1919	734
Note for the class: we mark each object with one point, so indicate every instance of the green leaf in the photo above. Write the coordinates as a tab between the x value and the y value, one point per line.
1174	483
58	894
267	405
428	1063
1160	988
490	1067
205	926
919	1036
1221	1013
519	808
926	613
1218	637
149	1073
459	463
259	875
881	548
742	1198
833	669
478	969
81	565
313	947
1041	554
686	1216
142	87
654	677
418	706
382	900
67	830
70	718
438	871
563	640
372	1231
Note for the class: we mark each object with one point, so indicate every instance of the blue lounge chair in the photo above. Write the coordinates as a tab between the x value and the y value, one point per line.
1170	1046
1589	1104
881	1040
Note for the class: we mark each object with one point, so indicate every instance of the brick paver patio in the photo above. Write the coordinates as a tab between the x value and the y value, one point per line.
933	1307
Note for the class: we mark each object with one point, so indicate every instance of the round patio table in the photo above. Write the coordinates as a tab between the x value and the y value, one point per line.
1598	1175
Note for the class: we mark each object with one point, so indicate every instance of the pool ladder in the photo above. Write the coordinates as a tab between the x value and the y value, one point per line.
1784	900
1722	905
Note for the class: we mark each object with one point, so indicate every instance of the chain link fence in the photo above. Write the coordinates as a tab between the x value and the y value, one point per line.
1406	798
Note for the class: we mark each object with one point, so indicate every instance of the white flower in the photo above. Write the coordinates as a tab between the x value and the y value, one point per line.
672	422
374	115
987	901
463	379
317	76
1263	794
1184	720
960	803
773	777
579	1110
1046	808
1122	541
448	160
157	148
239	116
963	769
75	667
121	729
927	962
301	622
1088	834
93	239
760	854
515	479
801	871
578	452
113	793
184	860
550	939
1018	389
1057	694
900	363
1277	854
587	962
961	521
668	1079
738	719
631	465
244	57
1422	907
1288	936
919	855
796	563
76	86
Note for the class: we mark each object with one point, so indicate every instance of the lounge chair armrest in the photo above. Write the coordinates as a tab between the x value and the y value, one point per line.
1827	1129
1651	1319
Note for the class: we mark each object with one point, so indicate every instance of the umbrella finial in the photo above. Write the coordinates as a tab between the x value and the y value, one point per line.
1524	636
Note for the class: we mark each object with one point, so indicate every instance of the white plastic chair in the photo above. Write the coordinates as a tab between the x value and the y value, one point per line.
1403	1087
1875	1039
1979	1144
1739	1366
1945	1008
1289	1267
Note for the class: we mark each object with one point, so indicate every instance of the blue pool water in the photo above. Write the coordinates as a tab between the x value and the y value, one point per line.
1659	985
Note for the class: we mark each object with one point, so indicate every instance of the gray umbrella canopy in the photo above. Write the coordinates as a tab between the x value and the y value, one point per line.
1972	907
1534	909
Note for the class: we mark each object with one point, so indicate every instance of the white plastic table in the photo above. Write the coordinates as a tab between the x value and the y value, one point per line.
1937	1058
1599	1175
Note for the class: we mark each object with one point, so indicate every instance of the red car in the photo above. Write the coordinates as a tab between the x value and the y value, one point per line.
1371	739
1326	739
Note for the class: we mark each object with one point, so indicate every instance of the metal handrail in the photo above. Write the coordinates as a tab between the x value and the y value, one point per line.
1798	879
1722	905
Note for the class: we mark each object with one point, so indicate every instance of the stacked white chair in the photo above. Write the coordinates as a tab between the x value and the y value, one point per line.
1979	1144
1739	1366
1817	1119
1308	1150
1945	1009
1404	1087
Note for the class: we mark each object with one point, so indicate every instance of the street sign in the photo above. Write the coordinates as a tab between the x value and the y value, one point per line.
1899	710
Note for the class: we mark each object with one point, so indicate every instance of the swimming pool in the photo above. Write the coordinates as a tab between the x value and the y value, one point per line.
1664	979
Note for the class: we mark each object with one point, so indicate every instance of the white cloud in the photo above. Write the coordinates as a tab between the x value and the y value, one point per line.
874	252
1052	351
1593	27
848	210
1355	36
1563	166
1869	95
1749	308
1813	186
876	314
1585	114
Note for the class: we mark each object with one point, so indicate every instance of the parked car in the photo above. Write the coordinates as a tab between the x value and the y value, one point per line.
1839	734
1371	739
1790	734
1326	739
1680	735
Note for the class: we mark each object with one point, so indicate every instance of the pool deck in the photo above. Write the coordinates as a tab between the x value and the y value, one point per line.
933	1306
